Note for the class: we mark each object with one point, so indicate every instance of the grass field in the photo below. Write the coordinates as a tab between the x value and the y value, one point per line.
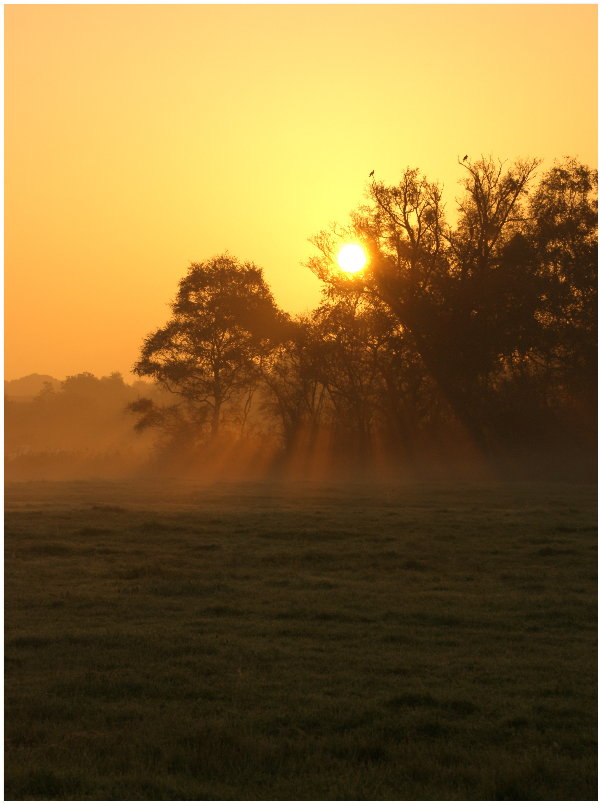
278	643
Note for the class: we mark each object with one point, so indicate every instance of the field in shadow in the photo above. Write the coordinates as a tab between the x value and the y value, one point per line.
272	642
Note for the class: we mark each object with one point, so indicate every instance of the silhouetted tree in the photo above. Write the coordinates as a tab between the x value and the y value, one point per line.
294	393
563	227
224	323
351	332
464	297
487	325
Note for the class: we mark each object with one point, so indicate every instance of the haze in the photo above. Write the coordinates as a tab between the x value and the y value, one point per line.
140	138
276	528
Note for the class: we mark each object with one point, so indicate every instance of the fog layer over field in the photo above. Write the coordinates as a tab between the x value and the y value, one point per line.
84	428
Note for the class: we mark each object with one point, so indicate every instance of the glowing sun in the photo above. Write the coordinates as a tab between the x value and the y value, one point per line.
351	258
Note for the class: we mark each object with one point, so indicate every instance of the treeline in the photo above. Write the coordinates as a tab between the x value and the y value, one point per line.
74	429
463	343
467	346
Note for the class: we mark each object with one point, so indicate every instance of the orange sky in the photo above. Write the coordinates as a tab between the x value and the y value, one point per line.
140	138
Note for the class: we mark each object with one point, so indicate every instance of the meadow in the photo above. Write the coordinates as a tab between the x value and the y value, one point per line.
300	642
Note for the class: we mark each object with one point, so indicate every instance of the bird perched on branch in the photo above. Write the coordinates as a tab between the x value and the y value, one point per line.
372	173
465	157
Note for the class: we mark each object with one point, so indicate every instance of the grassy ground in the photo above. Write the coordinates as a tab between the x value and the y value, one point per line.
255	642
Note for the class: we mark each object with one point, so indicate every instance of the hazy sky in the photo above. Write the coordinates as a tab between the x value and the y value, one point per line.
140	138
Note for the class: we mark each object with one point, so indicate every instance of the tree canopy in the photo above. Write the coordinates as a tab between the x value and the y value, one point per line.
224	322
477	334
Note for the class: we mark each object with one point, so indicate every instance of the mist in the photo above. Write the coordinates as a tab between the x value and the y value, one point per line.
77	428
456	350
91	428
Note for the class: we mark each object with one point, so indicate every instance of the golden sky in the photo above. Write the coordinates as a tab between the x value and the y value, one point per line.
140	138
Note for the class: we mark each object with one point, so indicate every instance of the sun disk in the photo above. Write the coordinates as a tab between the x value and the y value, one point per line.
351	258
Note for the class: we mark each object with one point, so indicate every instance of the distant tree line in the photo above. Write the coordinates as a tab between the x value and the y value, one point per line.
74	429
470	339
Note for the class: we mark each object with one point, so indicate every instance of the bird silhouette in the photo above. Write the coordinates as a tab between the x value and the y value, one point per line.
465	158
371	173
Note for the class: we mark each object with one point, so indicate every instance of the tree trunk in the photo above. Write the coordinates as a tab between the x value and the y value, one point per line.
216	417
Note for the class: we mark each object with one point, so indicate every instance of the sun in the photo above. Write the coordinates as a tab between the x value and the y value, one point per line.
351	258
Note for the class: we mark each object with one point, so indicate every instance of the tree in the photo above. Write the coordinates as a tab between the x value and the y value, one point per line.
224	322
564	230
351	333
450	289
295	396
